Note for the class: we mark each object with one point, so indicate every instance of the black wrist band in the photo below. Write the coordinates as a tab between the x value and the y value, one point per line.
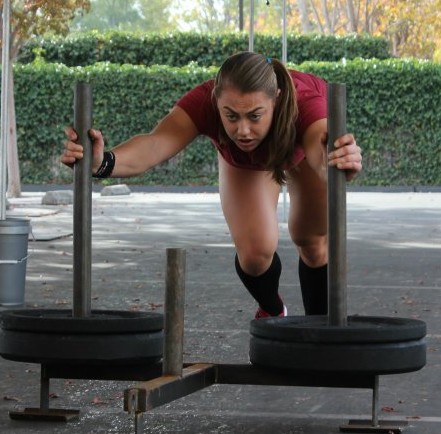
106	168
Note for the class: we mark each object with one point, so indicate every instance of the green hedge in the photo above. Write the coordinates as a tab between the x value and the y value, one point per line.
127	100
178	49
391	109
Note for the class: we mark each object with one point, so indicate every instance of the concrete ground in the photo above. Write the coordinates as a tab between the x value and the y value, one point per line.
394	250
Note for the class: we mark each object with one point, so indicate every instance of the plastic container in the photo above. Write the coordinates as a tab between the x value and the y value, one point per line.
13	260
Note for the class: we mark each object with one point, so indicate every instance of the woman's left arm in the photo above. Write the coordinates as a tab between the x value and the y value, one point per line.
346	156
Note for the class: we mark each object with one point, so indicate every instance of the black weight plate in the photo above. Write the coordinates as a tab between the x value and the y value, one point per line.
61	321
378	359
359	329
122	348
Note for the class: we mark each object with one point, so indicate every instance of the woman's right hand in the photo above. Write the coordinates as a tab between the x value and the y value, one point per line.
74	151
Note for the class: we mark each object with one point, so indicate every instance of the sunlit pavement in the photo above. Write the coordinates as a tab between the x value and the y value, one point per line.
394	250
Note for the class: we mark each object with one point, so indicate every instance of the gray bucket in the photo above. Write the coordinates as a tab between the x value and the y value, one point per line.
13	259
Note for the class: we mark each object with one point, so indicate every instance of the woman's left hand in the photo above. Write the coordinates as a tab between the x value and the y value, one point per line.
346	156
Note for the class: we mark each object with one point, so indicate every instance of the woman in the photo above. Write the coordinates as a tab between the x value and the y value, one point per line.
268	125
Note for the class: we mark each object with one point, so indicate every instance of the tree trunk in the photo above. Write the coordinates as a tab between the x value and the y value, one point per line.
321	29
14	185
329	23
352	20
304	19
371	13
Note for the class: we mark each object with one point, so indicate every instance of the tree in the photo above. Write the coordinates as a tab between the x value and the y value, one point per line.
306	25
145	15
412	26
30	18
155	14
338	16
205	15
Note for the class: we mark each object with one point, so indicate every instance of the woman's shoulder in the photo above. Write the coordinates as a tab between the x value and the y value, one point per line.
205	88
201	94
305	82
198	104
311	96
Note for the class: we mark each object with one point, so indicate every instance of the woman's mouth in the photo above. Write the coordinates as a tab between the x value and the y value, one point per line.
246	144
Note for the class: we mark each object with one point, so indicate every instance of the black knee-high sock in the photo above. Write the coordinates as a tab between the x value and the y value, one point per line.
265	287
314	286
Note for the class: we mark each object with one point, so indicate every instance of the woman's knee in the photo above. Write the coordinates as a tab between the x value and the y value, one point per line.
255	259
313	251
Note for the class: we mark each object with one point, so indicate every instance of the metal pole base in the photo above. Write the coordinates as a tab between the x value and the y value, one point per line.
49	415
365	426
139	423
167	388
44	413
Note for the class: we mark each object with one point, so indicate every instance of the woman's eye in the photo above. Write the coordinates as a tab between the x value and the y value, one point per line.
231	117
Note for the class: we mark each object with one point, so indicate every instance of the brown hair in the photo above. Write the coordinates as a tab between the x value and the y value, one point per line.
252	72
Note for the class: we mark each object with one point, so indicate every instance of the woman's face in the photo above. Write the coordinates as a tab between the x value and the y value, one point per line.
246	117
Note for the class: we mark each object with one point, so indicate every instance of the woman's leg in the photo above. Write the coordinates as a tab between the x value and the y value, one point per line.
308	229
249	201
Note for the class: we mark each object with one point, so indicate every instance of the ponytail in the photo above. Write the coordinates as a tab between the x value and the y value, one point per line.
281	138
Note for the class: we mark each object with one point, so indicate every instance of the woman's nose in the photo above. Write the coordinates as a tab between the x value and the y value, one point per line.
243	128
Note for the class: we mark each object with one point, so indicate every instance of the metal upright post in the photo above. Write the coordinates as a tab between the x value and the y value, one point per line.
375	400
174	313
82	224
337	269
44	389
251	36
284	36
284	60
4	107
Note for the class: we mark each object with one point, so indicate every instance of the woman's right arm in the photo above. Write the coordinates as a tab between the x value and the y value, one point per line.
139	153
